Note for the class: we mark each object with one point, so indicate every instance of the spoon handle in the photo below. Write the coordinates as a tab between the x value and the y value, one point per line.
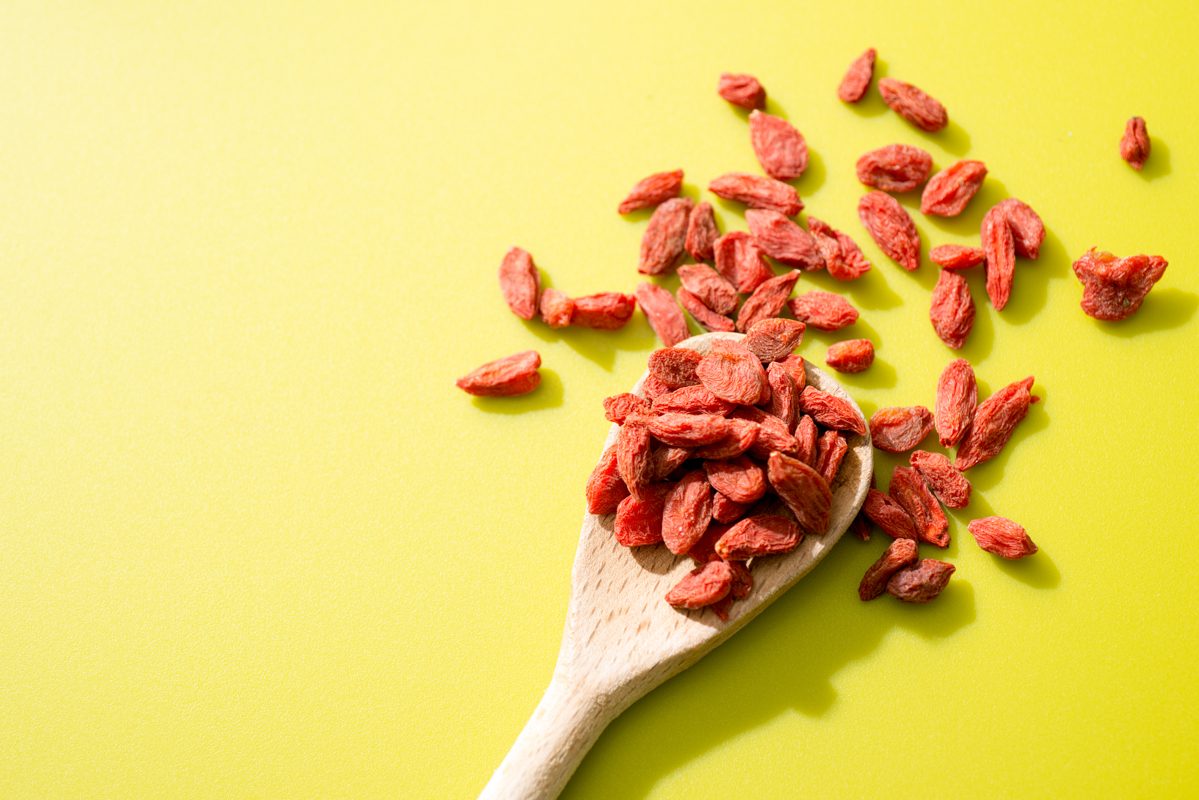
565	724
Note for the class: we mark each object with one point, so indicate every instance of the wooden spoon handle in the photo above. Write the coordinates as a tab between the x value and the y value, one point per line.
566	723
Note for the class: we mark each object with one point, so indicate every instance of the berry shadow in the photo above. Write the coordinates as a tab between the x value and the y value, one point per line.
1158	163
598	346
953	138
1030	286
869	292
1162	310
548	395
981	340
813	177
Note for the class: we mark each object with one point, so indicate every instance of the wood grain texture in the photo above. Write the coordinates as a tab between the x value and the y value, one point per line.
622	639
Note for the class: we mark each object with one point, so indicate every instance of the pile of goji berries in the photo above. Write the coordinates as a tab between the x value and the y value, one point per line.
727	457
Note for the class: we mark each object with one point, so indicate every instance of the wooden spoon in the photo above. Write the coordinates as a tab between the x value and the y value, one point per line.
621	637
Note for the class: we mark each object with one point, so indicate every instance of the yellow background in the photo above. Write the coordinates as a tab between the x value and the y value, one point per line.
256	544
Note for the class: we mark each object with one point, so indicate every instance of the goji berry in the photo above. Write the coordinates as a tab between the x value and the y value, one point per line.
784	400
780	148
899	429
674	366
734	374
759	535
803	490
607	310
742	90
920	583
899	554
634	457
772	433
1002	537
908	489
741	261
557	309
742	435
649	192
993	424
823	310
639	521
702	232
891	228
652	388
773	338
767	300
957	397
889	516
705	316
504	377
943	478
807	438
952	309
783	240
999	249
710	287
667	459
1113	288
795	367
684	430
912	104
830	452
738	479
605	488
687	512
702	586
519	283
691	400
895	168
619	406
857	78
842	257
851	355
662	244
725	510
1134	146
1028	231
831	411
663	313
950	190
757	191
956	256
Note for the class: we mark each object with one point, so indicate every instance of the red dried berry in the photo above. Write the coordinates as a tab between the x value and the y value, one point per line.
780	148
823	310
831	411
957	397
808	439
830	452
639	521
899	429
691	400
773	338
633	457
952	309
557	309
710	287
767	300
1002	537
702	232
504	377
784	399
851	355
742	90
649	192
922	582
895	168
1134	146
891	228
842	257
804	491
706	317
663	313
687	512
950	190
795	366
738	479
725	510
772	433
652	388
943	478
908	489
901	553
741	261
999	248
606	311
733	374
956	256
667	459
1113	288
857	78
674	366
759	535
605	488
1027	229
743	434
889	516
684	430
993	424
783	240
618	407
702	586
662	244
913	105
519	283
757	191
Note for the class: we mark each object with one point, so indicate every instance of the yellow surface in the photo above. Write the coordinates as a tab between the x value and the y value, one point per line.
256	544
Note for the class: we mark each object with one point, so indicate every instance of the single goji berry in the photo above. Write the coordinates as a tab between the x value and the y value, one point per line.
687	512
653	190
652	388
634	459
899	429
891	228
767	300
557	309
908	489
606	310
804	491
519	283
667	459
757	191
999	248
831	411
783	240
741	261
691	400
726	510
952	309
912	104
742	435
1113	288
773	338
1134	146
710	287
772	433
842	257
759	535
957	397
922	582
706	317
823	310
684	430
889	516
795	367
605	488
663	313
619	406
851	355
780	148
857	78
956	256
1002	537
784	399
807	436
993	424
895	168
950	190
899	554
504	377
742	90
639	521
738	479
662	244
830	452
943	478
702	232
674	366
734	374
1028	231
702	586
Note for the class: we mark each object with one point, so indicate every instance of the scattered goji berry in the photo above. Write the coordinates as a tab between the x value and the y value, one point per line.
662	244
739	479
702	232
702	314
831	411
891	228
1002	537
742	90
943	478
767	300
999	249
710	287
895	168
504	377
842	257
899	429
702	586
957	397
734	374
952	309
687	512
899	554
639	521
759	535
950	190
674	366
773	338
823	310
956	256
830	452
889	516
912	104
920	583
619	406
993	424
691	400
1134	146
1028	231
780	148
908	489
857	78
783	240
557	309
807	438
605	488
649	192
803	490
784	400
851	355
663	313
1113	288
519	283
757	191
606	311
740	260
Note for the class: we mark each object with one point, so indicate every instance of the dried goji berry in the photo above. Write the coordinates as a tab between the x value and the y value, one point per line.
956	256
891	228
742	435
1002	537
851	355
649	192
519	283
651	388
757	191
702	232
895	168
842	257
823	310
773	338
741	261
662	244
666	459
726	510
950	190
804	491
808	439
1113	288
795	366
759	535
943	478
710	287
691	400
702	586
901	553
783	240
687	512
999	248
606	310
831	411
922	582
663	313
705	316
857	78
889	515
742	90
780	148
830	452
1028	231
557	309
1134	146
634	459
784	399
767	300
994	422
738	479
504	377
913	105
674	366
639	521
605	488
734	374
619	406
952	309
684	430
957	397
899	429
772	433
908	489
